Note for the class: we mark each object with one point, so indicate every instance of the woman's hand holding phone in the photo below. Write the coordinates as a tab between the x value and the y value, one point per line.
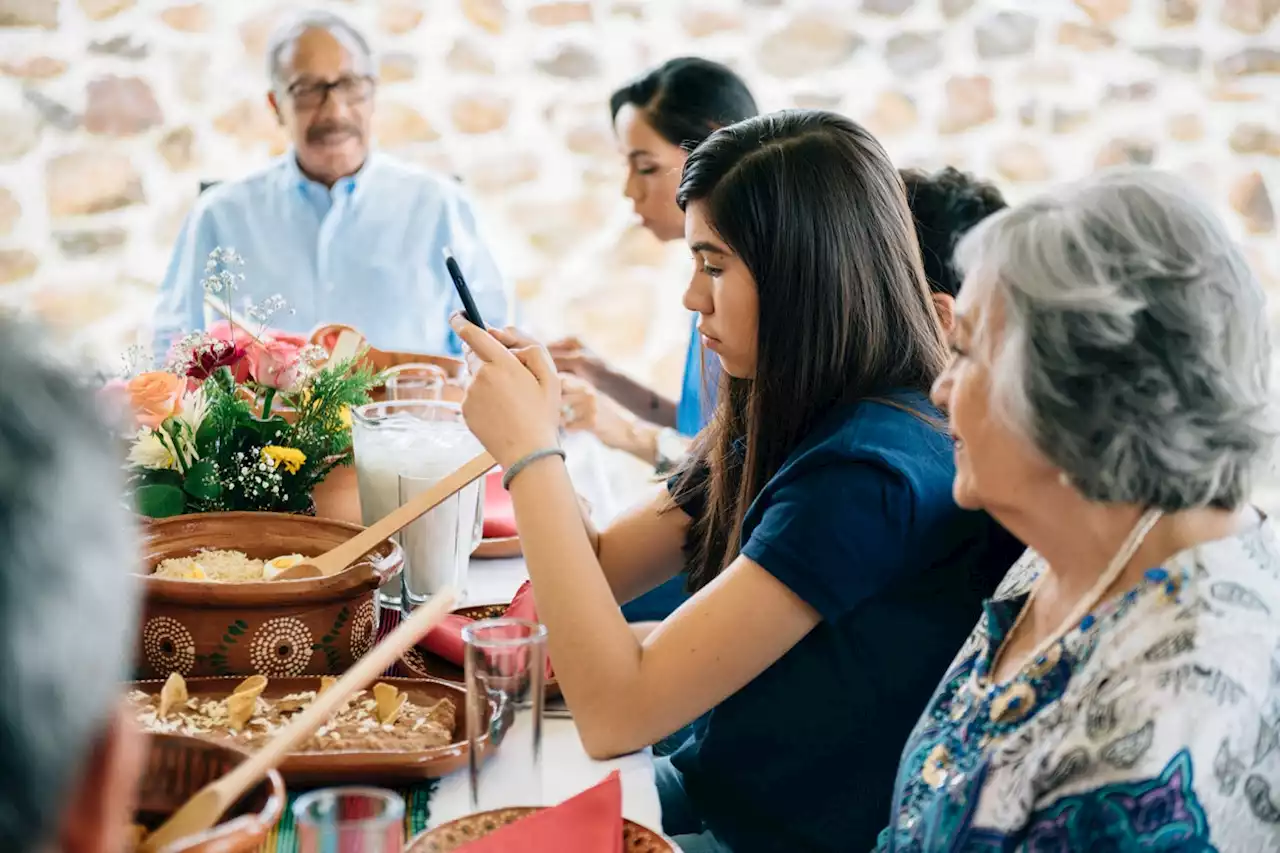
513	403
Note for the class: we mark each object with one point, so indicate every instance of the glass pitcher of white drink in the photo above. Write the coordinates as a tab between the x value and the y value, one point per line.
421	441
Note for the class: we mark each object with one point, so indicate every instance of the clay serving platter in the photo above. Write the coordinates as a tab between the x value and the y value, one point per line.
498	549
458	833
382	767
422	664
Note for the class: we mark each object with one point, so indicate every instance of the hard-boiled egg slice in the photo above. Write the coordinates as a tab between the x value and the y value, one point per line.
275	566
195	572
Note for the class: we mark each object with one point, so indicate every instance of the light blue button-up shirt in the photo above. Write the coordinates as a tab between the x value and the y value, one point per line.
366	252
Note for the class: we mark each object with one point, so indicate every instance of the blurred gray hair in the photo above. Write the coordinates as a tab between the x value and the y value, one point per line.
68	605
1135	353
285	39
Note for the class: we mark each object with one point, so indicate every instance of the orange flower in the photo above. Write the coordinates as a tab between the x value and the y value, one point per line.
156	396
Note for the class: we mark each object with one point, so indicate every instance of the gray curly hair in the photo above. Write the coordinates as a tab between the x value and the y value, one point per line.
68	601
1135	354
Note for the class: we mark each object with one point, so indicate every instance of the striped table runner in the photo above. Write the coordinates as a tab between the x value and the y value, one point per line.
417	812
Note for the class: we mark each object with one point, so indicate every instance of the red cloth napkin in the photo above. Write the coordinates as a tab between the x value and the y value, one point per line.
499	513
591	822
445	639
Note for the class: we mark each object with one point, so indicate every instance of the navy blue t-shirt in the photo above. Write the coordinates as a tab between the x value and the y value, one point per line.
860	523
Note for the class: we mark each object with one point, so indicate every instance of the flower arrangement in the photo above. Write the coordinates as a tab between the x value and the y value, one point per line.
211	428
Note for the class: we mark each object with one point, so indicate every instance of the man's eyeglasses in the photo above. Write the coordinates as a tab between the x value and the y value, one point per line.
310	94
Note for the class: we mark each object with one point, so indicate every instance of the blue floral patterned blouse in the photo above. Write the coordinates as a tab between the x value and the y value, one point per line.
1152	725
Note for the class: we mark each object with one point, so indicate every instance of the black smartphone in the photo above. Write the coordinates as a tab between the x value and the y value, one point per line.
464	292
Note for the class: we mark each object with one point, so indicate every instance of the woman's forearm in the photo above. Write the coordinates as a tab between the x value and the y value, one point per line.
640	401
596	656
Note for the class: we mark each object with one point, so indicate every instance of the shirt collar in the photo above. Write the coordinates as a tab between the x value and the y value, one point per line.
351	185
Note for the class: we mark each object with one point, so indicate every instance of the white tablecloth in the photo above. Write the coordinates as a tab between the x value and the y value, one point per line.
566	768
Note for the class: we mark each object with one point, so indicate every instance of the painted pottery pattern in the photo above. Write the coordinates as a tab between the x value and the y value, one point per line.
168	646
281	647
362	629
459	833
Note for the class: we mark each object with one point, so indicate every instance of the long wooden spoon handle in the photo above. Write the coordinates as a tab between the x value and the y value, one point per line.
366	670
362	543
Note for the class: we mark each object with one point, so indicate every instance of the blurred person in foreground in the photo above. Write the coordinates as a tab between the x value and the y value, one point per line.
1110	402
946	205
344	233
68	608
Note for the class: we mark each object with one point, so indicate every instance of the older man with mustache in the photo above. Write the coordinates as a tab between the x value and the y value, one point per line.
343	233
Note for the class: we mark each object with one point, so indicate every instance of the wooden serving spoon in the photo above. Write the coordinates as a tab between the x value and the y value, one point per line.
203	811
336	559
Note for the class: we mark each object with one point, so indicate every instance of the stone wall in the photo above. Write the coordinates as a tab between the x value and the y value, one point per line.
112	111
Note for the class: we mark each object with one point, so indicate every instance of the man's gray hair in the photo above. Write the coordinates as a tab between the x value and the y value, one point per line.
68	605
285	39
1135	353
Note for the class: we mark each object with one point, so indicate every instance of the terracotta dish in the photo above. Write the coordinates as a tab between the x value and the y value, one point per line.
178	766
388	767
498	549
275	628
422	664
457	833
454	368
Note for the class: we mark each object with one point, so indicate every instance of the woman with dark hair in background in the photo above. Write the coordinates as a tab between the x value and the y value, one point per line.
658	118
834	574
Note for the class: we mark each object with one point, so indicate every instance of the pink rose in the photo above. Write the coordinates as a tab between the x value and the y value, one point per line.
273	364
156	397
243	370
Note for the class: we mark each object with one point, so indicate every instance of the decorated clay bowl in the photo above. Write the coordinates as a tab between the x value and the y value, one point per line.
178	767
457	834
318	626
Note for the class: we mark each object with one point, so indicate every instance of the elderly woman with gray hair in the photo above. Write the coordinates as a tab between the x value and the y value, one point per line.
1109	398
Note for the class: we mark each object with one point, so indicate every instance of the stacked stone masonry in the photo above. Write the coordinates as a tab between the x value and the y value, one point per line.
113	111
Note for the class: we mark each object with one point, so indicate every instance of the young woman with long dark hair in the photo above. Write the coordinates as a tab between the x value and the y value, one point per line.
834	575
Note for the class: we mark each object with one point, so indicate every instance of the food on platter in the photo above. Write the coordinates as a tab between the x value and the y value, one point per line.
224	566
382	719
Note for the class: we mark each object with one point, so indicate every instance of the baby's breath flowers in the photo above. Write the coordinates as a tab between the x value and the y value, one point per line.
241	419
290	457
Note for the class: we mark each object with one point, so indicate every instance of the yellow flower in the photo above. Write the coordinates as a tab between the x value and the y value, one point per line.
290	457
345	416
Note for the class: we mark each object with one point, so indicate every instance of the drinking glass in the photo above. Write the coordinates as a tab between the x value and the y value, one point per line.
416	382
438	545
505	670
412	437
349	820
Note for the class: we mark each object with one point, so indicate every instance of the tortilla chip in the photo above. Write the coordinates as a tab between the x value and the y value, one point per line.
390	702
326	681
173	694
240	708
254	684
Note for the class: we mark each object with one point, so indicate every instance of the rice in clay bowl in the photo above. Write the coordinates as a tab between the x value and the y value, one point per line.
274	628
